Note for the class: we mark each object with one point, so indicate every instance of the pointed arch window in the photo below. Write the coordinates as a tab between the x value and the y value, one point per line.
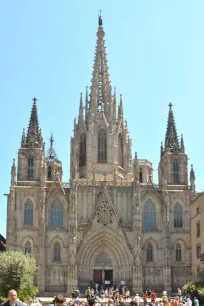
102	147
56	213
141	175
178	252
149	253
30	167
49	173
178	216
82	150
120	151
28	248
149	217
175	172
57	251
28	212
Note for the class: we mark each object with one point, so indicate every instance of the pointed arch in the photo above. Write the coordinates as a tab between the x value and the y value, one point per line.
49	173
149	216
175	167
178	252
82	150
178	215
120	151
27	248
28	212
102	146
56	213
150	257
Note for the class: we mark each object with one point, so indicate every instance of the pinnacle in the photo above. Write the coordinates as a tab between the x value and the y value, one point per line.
171	139
33	134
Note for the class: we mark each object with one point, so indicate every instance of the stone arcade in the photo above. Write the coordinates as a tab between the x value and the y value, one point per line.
110	223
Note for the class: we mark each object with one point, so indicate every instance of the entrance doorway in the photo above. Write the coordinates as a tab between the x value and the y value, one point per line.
103	278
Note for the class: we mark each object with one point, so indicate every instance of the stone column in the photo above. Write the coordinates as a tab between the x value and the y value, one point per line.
11	221
72	267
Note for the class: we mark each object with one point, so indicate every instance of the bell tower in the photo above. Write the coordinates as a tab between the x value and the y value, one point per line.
31	153
173	165
101	145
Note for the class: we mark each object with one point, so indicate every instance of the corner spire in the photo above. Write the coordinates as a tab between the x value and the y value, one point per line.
171	139
51	154
192	179
100	96
33	134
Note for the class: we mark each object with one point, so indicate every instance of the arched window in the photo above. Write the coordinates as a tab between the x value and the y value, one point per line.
178	216
57	256
149	217
120	150
149	253
56	213
140	175
30	167
82	150
49	173
102	147
175	172
28	247
28	212
178	252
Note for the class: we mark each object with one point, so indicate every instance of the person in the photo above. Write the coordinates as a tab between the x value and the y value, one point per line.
153	296
188	302
88	293
196	301
12	295
179	292
59	300
137	299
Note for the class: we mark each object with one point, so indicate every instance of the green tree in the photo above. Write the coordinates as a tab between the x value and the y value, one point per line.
17	271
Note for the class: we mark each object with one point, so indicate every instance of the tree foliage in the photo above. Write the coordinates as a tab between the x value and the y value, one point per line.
17	271
196	288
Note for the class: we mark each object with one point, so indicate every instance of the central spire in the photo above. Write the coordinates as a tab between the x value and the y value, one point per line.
171	140
101	96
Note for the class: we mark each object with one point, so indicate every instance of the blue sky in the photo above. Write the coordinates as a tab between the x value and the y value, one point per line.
155	53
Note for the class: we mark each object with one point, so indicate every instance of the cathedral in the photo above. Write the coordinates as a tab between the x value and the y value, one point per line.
109	224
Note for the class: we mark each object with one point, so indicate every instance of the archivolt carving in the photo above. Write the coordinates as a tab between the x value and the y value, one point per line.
103	260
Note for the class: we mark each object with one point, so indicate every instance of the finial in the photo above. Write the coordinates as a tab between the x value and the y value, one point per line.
34	99
100	21
135	155
170	105
14	162
51	141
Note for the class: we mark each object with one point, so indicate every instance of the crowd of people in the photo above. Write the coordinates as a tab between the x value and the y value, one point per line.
109	297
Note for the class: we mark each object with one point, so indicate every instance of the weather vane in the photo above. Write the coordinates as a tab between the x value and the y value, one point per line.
100	21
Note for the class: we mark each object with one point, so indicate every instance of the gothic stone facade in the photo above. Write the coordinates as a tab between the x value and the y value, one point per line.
110	223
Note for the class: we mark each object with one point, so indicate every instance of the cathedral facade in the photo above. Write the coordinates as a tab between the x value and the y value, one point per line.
110	224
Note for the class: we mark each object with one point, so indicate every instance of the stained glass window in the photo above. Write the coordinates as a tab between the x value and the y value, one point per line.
28	247
56	213
149	253
149	217
57	252
178	216
178	252
175	172
28	212
102	147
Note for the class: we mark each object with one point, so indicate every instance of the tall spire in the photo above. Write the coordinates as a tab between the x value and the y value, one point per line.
171	140
33	134
100	89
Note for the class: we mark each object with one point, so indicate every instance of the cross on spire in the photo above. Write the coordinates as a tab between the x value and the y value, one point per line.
34	99
170	105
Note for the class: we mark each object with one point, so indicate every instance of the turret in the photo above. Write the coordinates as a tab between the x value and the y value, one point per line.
192	179
13	173
173	166
54	166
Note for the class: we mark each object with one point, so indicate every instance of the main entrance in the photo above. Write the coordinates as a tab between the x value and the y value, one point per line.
104	278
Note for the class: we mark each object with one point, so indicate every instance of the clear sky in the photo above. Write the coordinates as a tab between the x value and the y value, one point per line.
155	53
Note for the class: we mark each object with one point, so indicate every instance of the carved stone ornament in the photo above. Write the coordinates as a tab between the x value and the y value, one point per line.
103	260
